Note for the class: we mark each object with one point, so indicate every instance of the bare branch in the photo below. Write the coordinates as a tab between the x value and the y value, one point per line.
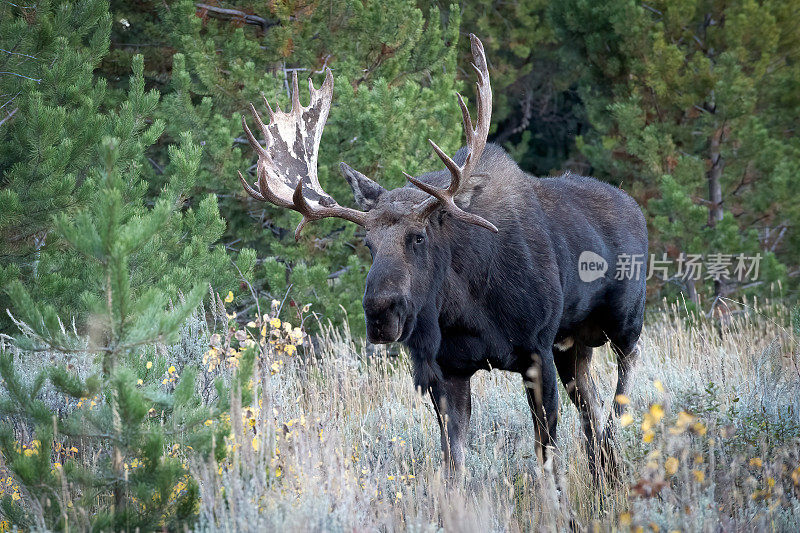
22	76
227	14
13	112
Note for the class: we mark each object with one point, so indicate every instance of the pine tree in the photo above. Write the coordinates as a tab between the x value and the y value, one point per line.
136	418
535	106
694	102
50	130
48	157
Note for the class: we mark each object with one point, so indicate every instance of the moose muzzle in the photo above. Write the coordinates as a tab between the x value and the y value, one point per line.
386	317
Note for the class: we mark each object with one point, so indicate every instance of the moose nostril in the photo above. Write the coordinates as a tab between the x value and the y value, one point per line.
384	304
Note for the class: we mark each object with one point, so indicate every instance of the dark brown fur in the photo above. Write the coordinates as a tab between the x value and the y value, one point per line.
462	298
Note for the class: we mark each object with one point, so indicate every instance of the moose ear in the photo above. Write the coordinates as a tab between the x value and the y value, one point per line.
365	191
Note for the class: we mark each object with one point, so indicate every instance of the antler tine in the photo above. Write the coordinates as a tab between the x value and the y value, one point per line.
455	170
296	107
302	207
259	122
269	108
254	144
466	119
476	142
440	197
250	190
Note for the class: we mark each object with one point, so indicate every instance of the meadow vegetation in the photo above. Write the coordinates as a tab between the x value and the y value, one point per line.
158	366
330	435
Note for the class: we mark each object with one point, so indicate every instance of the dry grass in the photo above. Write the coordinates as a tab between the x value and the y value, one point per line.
337	440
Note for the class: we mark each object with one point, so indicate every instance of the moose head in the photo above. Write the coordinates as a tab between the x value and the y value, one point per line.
405	227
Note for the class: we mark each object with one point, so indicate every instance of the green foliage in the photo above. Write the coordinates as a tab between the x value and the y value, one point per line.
633	93
57	157
535	108
135	418
124	248
47	149
688	96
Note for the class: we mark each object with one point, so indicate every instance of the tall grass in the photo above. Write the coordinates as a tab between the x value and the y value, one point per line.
336	438
340	441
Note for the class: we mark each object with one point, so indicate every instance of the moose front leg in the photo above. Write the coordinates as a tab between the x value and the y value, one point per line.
453	404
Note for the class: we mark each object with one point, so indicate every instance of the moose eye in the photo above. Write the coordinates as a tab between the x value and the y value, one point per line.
419	239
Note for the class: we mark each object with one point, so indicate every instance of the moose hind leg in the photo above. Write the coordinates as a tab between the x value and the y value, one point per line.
452	401
573	369
542	394
627	355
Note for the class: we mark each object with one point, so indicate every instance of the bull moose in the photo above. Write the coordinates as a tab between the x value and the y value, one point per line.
476	267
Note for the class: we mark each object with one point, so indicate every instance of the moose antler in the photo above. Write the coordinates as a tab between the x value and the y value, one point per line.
476	142
287	166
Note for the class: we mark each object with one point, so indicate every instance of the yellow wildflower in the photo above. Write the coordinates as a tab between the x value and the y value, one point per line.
684	419
229	297
625	420
671	465
657	412
622	399
658	385
149	365
171	369
699	475
275	323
